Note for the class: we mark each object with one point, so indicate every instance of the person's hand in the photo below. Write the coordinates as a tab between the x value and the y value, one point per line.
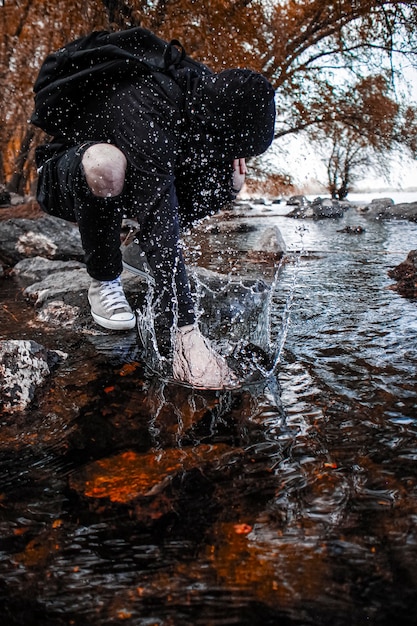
239	174
195	361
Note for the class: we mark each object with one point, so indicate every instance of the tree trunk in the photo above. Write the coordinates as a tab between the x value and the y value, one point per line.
2	176
17	181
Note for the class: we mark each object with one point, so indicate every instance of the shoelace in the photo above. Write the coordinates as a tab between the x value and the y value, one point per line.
112	296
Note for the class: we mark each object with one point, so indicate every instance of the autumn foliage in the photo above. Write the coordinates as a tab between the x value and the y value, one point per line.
318	55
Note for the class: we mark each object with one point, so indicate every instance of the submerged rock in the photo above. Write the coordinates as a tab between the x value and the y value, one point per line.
24	366
352	230
299	201
151	486
130	475
270	240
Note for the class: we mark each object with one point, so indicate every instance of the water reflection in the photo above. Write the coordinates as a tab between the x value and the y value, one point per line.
125	498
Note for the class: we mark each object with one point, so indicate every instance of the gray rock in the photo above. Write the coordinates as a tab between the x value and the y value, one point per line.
38	268
58	285
320	208
385	202
59	313
300	201
270	240
385	209
327	208
24	366
403	211
301	212
47	236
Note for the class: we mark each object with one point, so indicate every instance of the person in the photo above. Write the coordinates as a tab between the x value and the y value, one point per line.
166	150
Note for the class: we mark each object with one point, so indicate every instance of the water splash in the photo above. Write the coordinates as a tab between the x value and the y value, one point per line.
236	315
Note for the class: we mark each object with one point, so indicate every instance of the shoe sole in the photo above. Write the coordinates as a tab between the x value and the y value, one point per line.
138	272
114	325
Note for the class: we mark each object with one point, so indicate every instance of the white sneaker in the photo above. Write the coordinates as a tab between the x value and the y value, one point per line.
196	362
109	306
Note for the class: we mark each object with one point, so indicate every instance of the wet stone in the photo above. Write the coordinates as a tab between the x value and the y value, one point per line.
24	366
148	484
406	276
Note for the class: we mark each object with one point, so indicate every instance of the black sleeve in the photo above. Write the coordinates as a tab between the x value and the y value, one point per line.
204	191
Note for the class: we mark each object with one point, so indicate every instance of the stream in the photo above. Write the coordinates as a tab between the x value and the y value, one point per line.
290	502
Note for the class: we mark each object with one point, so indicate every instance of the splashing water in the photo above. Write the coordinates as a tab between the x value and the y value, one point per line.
236	315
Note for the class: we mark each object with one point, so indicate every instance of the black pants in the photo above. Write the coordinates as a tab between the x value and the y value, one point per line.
64	192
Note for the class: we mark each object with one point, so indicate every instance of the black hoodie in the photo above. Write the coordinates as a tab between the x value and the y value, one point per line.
231	114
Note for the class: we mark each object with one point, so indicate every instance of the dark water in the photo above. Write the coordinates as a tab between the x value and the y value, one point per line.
289	502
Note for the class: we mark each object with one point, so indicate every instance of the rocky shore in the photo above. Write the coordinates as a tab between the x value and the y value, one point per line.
44	257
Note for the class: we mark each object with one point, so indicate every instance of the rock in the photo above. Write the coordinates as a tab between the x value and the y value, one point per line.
24	366
259	201
38	268
58	284
385	209
16	199
60	291
270	240
217	228
382	202
406	276
59	313
48	237
149	487
300	201
61	296
302	212
327	208
129	475
320	208
352	230
5	198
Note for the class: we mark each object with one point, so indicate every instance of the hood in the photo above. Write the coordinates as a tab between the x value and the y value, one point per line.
232	114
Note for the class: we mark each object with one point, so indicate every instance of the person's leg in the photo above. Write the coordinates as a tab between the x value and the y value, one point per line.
158	237
90	179
194	361
99	219
98	209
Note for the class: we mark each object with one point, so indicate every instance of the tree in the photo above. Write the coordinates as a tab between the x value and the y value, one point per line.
29	30
307	49
368	126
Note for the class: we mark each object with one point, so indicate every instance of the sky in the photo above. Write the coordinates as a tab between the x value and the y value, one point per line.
297	157
307	169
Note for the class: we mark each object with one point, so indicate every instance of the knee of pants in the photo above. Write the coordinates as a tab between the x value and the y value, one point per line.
104	169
